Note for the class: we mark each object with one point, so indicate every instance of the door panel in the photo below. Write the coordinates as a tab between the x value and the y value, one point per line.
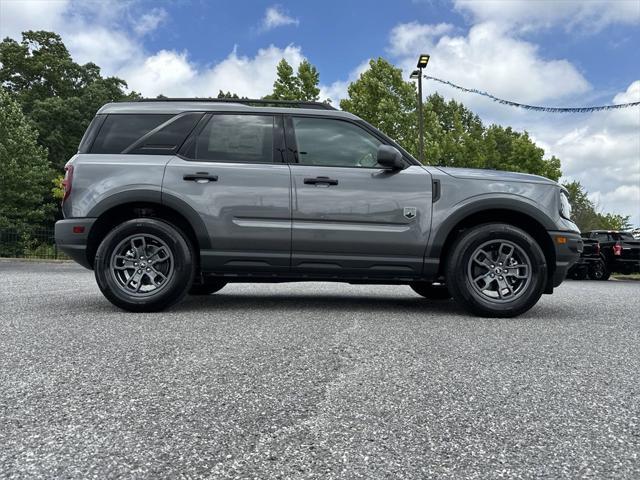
247	212
368	221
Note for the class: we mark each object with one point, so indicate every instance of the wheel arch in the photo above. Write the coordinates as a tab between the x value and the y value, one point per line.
128	205
519	214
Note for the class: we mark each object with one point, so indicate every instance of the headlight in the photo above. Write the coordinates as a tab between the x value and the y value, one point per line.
565	206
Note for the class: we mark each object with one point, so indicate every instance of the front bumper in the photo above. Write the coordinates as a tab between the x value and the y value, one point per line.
568	247
74	243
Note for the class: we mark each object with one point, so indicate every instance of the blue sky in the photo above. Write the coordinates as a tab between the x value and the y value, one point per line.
339	35
549	52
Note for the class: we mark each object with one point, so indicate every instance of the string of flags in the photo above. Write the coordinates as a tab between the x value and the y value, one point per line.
535	107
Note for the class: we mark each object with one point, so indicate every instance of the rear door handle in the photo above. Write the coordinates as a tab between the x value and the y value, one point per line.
200	177
320	181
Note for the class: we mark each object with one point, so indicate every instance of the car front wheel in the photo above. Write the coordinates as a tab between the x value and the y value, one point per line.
496	270
144	265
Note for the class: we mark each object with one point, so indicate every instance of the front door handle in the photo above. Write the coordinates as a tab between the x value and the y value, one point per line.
320	181
200	177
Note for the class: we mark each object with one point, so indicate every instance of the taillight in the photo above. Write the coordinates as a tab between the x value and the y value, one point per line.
617	249
596	248
68	180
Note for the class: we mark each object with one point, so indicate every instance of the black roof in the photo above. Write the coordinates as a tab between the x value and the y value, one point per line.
249	101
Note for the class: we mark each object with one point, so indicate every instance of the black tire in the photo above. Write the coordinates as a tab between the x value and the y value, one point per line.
175	263
525	291
599	271
578	274
208	287
430	291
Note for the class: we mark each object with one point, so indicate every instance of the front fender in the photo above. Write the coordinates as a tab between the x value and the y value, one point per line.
445	220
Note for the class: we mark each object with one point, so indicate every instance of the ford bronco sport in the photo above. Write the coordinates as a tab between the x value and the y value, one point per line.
169	197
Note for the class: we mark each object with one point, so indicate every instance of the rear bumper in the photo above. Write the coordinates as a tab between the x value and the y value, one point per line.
73	244
625	265
568	247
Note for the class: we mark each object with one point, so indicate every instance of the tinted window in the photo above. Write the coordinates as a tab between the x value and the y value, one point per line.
334	143
236	138
622	236
121	130
168	139
90	134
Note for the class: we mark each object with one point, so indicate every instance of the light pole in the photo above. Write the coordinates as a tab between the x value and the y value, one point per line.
417	74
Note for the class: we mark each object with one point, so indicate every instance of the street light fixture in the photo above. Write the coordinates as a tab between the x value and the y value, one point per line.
417	74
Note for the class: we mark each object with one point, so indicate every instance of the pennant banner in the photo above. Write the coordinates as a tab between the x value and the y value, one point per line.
535	107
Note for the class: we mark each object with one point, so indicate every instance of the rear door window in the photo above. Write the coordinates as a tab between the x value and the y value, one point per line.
120	131
236	138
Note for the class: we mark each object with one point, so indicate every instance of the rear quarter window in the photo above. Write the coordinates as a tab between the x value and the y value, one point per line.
119	131
169	138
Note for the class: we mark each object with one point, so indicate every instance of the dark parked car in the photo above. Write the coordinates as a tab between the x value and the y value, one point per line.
619	252
590	264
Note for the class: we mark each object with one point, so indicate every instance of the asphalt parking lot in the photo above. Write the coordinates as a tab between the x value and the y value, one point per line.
314	380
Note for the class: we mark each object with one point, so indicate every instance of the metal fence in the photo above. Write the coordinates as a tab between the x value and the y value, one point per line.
37	243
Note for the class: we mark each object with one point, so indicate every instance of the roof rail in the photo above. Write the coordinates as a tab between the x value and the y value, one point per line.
248	101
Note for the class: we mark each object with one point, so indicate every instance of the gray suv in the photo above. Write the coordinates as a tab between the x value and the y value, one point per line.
169	197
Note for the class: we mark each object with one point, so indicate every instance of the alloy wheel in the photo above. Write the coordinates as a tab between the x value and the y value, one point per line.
499	271
142	265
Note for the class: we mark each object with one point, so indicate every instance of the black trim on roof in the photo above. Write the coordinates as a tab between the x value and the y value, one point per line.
247	101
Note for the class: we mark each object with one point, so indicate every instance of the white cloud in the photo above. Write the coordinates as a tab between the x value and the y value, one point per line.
487	58
16	16
107	48
174	75
602	151
150	21
409	38
337	90
275	17
590	15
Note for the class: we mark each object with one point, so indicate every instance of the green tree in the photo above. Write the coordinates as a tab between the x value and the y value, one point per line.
222	94
58	95
24	171
613	221
381	97
287	85
506	149
585	214
308	79
583	211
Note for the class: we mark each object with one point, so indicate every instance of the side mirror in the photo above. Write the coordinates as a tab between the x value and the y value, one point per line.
389	157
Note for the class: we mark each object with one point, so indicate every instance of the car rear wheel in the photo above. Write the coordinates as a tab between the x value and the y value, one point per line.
431	291
207	287
144	265
599	271
496	270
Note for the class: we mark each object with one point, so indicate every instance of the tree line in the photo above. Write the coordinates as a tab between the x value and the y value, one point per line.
47	100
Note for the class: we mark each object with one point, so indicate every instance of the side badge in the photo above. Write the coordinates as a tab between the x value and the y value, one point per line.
410	212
